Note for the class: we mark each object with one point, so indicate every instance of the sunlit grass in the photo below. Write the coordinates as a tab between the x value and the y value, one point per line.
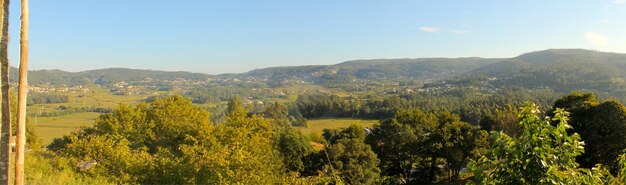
317	125
57	126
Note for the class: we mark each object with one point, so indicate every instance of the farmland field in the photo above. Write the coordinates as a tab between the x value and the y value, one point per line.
57	126
317	125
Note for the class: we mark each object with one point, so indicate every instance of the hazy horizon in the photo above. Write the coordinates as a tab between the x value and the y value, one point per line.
263	67
239	36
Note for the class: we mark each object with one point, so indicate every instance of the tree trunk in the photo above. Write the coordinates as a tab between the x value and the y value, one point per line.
433	167
449	175
5	131
21	98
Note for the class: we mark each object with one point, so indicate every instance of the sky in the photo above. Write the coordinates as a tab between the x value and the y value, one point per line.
214	37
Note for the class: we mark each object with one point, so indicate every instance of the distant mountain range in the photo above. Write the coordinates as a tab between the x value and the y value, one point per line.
560	69
103	76
378	69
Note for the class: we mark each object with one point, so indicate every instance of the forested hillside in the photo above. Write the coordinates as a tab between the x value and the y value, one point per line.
562	70
104	76
378	69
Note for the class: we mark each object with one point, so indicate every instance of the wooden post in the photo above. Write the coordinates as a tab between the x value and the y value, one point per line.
5	130
21	98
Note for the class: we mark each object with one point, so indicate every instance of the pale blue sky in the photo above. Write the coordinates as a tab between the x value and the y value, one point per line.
236	36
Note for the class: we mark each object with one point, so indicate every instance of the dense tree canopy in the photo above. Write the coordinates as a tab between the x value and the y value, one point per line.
171	141
542	154
413	143
601	125
294	147
42	98
348	157
394	144
354	161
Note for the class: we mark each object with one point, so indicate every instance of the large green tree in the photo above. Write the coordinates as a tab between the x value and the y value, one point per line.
171	141
346	157
602	126
544	153
463	142
354	161
294	148
352	132
140	143
413	143
395	144
278	113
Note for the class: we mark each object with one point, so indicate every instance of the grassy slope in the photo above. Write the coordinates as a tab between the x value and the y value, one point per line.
52	127
57	126
96	97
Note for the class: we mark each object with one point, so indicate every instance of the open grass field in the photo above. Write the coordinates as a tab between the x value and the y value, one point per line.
57	126
96	97
317	125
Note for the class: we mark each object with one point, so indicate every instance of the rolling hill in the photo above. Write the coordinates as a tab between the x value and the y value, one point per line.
103	76
377	69
559	69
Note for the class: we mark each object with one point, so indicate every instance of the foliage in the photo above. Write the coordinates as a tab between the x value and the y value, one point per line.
32	137
621	174
241	152
354	161
543	154
413	143
43	167
320	105
487	123
277	112
352	132
66	110
507	121
463	142
393	143
470	105
215	95
103	76
601	125
43	98
235	107
294	148
171	141
135	144
563	70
